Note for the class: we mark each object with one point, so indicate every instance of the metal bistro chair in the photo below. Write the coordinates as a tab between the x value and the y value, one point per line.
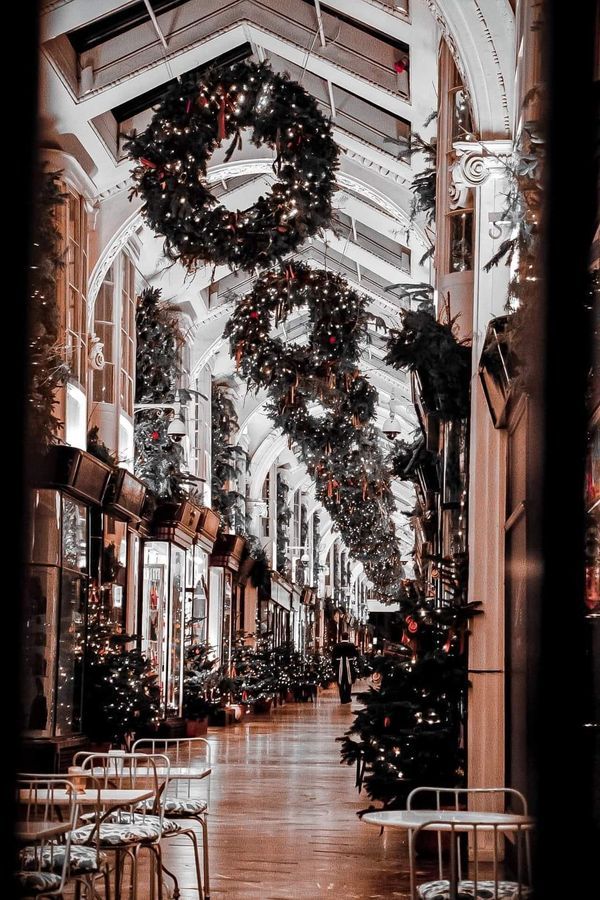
190	766
44	862
486	840
125	829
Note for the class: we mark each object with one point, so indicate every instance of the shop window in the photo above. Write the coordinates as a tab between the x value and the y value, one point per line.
54	615
266	496
162	624
196	598
76	283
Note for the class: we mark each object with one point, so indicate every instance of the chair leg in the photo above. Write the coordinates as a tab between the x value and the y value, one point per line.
173	877
204	826
189	832
106	876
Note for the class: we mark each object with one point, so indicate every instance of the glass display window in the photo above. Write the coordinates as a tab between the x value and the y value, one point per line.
55	615
196	598
162	619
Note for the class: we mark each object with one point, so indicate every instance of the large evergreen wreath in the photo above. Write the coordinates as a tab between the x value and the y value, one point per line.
193	119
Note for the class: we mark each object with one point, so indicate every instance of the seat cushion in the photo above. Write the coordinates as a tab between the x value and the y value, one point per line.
179	807
118	834
140	818
32	883
82	860
486	890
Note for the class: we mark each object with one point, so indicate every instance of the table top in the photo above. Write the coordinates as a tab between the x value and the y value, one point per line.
161	772
108	797
40	831
446	819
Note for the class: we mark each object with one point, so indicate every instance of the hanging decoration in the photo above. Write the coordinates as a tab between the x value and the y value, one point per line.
47	367
193	119
284	514
320	400
430	348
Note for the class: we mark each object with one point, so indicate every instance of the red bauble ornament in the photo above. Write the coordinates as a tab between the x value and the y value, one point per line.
155	435
401	66
332	339
411	625
254	314
387	722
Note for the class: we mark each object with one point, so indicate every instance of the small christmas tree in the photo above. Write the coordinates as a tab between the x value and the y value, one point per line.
409	731
121	694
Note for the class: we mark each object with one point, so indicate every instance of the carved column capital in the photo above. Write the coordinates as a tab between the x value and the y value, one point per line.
475	162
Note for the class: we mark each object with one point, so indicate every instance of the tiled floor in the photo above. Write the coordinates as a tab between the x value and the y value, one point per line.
283	822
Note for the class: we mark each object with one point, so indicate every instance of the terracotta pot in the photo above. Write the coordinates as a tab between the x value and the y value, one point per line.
196	727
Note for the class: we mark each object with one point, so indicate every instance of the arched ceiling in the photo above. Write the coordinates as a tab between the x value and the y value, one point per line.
104	64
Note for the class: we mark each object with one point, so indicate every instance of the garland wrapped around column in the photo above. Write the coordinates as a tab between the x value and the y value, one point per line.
158	460
47	366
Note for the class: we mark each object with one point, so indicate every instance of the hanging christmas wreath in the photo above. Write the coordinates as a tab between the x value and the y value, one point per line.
192	120
321	401
315	385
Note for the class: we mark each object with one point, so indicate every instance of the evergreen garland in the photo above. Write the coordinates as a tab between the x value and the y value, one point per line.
324	405
284	514
193	118
158	460
225	459
429	347
47	367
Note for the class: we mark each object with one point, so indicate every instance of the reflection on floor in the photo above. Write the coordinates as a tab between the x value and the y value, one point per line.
283	822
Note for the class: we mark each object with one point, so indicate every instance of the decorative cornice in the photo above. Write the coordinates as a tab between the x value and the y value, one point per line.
470	87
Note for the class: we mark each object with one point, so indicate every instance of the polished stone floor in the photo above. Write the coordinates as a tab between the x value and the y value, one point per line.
283	820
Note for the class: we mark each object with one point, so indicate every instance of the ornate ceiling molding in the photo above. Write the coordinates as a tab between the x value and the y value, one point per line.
473	42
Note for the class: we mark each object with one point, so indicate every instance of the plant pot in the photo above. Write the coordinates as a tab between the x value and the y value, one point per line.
196	727
263	706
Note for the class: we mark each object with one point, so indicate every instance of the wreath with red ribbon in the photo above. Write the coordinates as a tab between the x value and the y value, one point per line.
193	119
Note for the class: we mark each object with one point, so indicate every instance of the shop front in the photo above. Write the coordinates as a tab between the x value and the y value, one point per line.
224	601
275	612
197	581
115	555
55	615
169	567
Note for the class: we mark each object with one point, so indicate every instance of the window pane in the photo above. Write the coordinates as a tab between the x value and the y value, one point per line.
461	242
75	549
45	529
37	688
70	647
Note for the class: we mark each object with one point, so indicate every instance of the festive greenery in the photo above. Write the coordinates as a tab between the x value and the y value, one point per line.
409	731
284	515
47	366
98	448
194	117
522	220
430	348
158	460
407	459
322	403
316	532
260	573
121	694
226	459
200	682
